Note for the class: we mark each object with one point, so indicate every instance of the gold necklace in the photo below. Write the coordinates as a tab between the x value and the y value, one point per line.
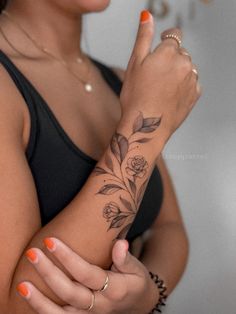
87	85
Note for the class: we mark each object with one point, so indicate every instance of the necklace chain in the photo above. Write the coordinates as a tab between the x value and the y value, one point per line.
87	86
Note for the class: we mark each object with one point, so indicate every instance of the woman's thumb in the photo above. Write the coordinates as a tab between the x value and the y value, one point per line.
144	37
123	261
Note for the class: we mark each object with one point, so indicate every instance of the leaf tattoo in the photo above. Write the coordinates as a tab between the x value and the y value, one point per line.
118	221
141	191
134	170
127	204
122	234
99	170
143	140
138	123
145	125
119	146
109	189
132	186
109	162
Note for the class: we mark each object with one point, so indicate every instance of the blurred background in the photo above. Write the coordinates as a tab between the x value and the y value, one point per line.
201	155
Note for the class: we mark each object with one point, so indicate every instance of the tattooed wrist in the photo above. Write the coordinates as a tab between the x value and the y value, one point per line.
128	174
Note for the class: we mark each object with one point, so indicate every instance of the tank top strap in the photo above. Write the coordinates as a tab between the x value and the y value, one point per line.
23	88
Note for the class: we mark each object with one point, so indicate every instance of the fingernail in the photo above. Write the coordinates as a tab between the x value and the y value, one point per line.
32	256
144	16
50	244
23	290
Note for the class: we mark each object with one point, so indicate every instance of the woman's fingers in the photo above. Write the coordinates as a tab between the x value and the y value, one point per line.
85	273
90	275
40	303
70	292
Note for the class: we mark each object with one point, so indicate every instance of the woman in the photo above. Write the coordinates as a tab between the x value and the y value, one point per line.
79	203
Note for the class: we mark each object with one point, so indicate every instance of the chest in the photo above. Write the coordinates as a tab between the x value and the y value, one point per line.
89	119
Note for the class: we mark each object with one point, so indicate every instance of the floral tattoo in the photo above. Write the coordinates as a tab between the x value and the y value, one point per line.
129	176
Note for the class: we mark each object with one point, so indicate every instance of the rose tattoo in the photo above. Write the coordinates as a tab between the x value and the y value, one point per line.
137	166
130	178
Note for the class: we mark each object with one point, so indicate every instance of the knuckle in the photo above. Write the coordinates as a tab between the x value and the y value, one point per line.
46	273
185	66
84	277
169	49
70	295
65	257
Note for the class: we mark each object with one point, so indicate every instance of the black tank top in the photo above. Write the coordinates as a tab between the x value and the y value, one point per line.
58	166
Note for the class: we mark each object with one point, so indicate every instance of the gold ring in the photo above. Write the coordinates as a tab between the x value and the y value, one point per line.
92	303
172	36
195	72
104	287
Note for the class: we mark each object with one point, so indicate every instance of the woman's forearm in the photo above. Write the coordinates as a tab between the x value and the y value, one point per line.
165	253
107	204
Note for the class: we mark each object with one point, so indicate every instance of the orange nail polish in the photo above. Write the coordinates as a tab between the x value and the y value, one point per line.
32	256
23	290
50	244
144	16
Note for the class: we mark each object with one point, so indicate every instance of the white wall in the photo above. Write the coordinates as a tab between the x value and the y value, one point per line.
202	154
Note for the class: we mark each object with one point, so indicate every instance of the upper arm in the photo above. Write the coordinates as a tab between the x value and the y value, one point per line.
19	209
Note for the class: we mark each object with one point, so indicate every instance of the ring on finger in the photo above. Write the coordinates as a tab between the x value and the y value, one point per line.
104	287
172	36
92	302
195	72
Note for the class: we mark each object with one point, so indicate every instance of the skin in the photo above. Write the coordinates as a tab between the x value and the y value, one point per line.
169	261
17	115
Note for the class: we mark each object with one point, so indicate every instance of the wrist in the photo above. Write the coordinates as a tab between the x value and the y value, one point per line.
147	127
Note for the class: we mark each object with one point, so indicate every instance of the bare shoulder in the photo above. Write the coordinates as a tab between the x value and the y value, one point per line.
120	72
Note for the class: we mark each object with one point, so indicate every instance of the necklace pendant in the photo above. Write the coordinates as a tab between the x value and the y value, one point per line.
88	87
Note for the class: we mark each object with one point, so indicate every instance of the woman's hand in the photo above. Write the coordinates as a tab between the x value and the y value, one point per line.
162	82
129	290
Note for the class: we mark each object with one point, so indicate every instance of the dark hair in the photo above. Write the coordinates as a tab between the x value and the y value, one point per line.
3	4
